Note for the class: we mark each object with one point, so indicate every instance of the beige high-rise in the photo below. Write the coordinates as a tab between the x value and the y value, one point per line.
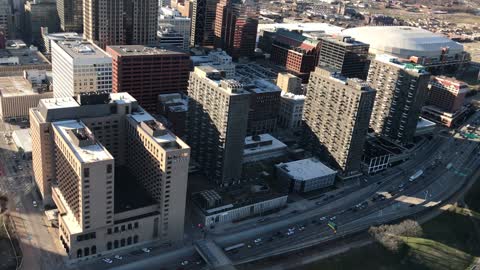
117	176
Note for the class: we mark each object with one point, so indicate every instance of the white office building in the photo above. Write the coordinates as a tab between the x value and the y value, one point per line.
80	67
172	19
291	109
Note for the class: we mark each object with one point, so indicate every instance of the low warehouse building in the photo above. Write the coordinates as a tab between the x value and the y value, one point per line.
305	175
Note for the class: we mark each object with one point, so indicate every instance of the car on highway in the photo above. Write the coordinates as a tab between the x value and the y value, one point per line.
401	185
323	218
184	263
118	257
146	250
107	260
34	203
257	241
290	233
333	218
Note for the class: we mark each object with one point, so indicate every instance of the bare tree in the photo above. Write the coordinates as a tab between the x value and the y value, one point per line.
390	236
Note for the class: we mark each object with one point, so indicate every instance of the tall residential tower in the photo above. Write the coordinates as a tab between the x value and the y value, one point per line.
337	113
120	22
401	93
217	124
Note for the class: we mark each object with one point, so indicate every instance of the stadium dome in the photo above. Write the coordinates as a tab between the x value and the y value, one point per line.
403	41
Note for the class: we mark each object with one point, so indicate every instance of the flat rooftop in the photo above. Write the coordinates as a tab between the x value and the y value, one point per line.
59	103
15	86
400	63
129	193
166	139
23	139
242	195
263	86
86	154
344	40
261	143
82	49
293	96
231	87
141	50
306	169
304	27
25	56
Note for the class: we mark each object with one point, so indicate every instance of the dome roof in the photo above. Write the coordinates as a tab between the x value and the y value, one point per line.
403	41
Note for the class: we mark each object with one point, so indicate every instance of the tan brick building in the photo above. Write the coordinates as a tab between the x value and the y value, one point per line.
117	176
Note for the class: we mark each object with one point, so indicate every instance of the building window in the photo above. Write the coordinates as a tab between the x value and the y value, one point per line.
123	228
109	231
86	251
109	168
135	239
115	244
130	226
94	249
86	172
109	245
122	242
79	253
129	240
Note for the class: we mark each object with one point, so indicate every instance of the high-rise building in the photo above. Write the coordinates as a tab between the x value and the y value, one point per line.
70	13
445	101
80	66
236	24
117	177
167	37
337	113
145	72
170	18
6	19
289	83
296	52
40	14
203	19
174	107
345	55
264	106
120	22
185	7
447	94
401	93
291	111
216	124
219	23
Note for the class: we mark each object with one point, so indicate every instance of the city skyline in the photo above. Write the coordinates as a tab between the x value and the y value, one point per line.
235	134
